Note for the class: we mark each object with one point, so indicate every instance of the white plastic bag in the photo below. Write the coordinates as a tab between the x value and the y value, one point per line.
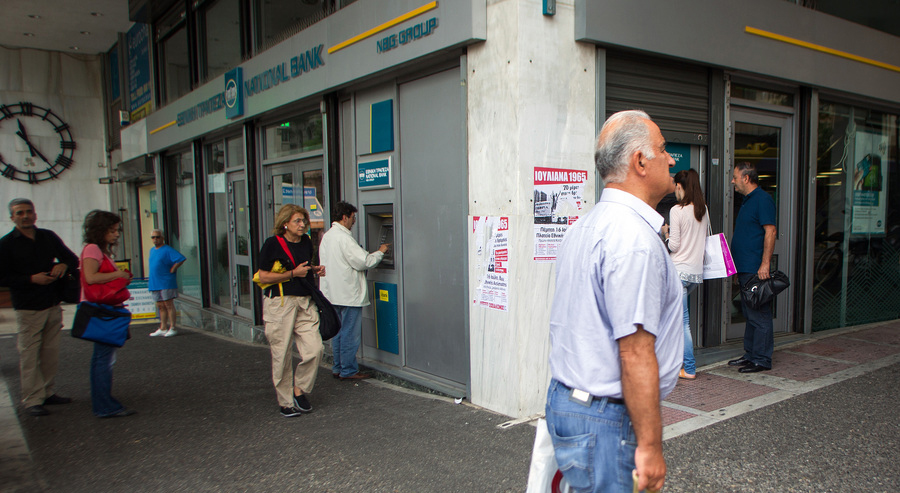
544	475
717	261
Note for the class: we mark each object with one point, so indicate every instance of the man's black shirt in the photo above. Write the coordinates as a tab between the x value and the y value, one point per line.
21	257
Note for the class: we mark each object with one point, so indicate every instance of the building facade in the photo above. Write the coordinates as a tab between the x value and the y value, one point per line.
464	131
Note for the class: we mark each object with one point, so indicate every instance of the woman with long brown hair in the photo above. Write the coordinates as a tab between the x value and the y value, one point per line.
686	238
101	233
289	312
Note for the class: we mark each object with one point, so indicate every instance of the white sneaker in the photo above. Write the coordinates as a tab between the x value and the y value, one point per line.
171	333
159	332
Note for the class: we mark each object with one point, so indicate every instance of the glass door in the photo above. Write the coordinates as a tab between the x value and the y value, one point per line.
239	215
301	183
766	140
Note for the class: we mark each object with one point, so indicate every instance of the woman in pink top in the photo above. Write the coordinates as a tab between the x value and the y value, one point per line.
686	238
101	234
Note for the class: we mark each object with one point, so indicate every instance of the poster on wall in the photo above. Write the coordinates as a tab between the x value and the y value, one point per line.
869	183
558	202
141	304
492	261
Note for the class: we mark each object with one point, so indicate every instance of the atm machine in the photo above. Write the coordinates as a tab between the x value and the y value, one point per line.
381	326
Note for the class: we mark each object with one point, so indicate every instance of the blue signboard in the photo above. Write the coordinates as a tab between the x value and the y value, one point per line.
139	70
234	94
375	174
114	72
681	153
387	328
381	126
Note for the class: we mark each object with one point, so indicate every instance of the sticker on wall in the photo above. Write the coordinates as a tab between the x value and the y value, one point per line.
381	126
374	175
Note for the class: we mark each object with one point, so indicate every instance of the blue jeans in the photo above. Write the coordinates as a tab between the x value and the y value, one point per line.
101	380
594	443
690	365
759	337
345	344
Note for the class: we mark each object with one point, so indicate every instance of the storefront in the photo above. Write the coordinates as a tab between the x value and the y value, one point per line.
464	132
817	115
302	123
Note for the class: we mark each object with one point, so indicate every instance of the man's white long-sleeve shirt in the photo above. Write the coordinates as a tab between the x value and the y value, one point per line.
345	264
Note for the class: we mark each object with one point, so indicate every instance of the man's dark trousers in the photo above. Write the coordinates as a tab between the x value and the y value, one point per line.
759	338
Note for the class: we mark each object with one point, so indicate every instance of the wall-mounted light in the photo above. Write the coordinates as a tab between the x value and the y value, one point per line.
106	180
549	7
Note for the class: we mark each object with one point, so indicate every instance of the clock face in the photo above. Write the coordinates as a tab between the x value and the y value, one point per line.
43	143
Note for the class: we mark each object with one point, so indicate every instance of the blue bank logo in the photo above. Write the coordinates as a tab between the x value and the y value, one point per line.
234	104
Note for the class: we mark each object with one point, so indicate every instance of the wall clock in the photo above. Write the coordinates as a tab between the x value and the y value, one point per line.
34	127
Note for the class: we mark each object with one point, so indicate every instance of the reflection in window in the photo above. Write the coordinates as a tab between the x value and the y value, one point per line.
221	31
280	19
294	135
762	95
182	220
175	64
856	267
217	205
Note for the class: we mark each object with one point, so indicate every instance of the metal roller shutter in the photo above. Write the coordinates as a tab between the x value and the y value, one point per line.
674	94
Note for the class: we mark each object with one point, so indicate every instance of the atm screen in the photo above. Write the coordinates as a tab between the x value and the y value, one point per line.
386	235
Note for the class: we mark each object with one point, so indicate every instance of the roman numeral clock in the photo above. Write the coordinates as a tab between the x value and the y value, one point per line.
35	158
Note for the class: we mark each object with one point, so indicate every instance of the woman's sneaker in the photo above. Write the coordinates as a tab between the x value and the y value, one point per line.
158	333
302	403
290	412
171	333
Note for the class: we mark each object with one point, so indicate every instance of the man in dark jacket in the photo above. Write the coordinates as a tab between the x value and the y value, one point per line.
33	262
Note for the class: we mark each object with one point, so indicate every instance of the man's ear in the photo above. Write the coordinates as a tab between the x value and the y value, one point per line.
638	163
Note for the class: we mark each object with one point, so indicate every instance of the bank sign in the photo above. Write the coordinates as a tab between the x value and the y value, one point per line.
406	36
375	174
232	96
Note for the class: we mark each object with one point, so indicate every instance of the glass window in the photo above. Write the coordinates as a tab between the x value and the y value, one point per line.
856	279
279	19
294	135
221	28
182	220
762	95
175	64
235	151
217	203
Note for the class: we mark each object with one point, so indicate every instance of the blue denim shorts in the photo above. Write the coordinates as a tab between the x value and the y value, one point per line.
594	443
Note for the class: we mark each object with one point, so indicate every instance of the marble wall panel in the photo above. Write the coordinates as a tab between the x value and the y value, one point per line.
71	86
531	102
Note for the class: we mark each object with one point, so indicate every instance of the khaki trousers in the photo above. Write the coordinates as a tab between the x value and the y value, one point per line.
297	320
38	343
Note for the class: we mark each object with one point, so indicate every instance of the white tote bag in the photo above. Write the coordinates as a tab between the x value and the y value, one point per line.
542	476
717	261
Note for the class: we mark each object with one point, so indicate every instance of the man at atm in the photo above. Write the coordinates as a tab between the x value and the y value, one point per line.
345	286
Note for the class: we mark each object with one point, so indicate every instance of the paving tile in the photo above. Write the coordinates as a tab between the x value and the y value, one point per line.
803	368
671	416
847	349
885	334
710	392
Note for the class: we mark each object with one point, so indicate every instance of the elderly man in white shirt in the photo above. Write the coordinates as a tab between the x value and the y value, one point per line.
345	287
615	324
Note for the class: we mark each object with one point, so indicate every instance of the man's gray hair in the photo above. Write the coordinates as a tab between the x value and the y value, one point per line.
15	202
623	134
156	230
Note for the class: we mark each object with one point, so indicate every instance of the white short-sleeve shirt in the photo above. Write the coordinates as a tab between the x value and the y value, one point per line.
613	272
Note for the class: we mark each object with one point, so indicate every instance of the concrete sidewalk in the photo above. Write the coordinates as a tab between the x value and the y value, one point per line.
208	421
